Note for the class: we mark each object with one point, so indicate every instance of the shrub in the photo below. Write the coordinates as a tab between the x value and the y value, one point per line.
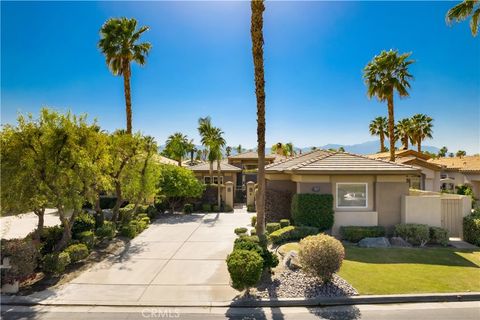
253	232
49	238
254	220
315	210
270	259
245	268
141	225
107	230
357	233
77	252
23	259
251	208
416	234
161	205
146	220
439	235
284	223
248	245
125	215
291	233
206	207
140	216
321	255
228	208
471	228
254	239
83	222
152	212
88	238
188	208
239	231
272	226
142	208
215	208
130	230
56	263
129	206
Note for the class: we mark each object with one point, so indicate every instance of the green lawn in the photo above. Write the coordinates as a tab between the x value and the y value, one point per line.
409	270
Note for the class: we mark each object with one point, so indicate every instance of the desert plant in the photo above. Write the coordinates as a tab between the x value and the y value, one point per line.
314	210
357	233
439	235
77	252
416	234
321	255
245	268
291	233
56	263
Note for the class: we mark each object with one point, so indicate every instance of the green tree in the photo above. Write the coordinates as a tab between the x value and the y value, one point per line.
119	42
443	152
177	146
463	11
205	129
378	127
228	151
256	31
239	149
403	132
461	153
421	129
385	74
177	184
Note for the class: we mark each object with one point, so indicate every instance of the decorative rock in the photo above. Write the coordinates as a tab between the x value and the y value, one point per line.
291	260
380	242
399	242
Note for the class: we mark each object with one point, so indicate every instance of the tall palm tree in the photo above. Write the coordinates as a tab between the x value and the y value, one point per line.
421	129
378	127
385	74
461	153
205	129
119	42
462	11
256	32
403	131
228	151
442	153
217	142
239	149
176	146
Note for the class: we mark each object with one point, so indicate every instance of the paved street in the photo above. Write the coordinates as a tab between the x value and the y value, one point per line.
178	259
424	311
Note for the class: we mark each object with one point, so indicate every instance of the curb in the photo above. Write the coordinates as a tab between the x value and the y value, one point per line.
293	302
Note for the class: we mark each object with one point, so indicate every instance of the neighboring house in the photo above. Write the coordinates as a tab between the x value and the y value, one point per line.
367	192
429	180
227	173
248	163
164	160
460	171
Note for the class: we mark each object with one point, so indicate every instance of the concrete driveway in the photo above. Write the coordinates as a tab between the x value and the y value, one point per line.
179	259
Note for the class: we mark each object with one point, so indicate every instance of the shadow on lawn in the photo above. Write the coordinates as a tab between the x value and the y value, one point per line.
432	256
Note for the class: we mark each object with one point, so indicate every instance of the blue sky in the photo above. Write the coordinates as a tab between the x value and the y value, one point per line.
201	64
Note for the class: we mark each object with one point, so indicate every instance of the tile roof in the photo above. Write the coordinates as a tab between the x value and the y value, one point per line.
164	160
224	166
253	155
320	161
463	164
399	153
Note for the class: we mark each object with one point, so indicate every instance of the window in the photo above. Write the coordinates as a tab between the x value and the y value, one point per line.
352	195
208	180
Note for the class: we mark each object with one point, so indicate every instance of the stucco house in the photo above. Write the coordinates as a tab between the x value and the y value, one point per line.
366	191
429	180
458	171
248	163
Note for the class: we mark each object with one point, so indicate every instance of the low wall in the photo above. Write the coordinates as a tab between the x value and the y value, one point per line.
357	218
423	209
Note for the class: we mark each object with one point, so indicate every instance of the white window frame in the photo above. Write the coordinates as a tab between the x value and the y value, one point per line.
212	179
350	183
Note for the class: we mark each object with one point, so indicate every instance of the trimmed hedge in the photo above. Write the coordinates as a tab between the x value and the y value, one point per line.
291	233
56	263
314	210
253	243
284	223
129	230
239	231
471	228
357	233
106	231
245	268
88	238
188	208
49	238
439	236
415	234
83	222
272	226
77	252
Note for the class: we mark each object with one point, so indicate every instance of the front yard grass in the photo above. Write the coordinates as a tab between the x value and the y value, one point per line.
409	270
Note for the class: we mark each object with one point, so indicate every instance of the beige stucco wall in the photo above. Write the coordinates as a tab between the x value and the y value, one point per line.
308	187
388	202
344	218
422	209
282	185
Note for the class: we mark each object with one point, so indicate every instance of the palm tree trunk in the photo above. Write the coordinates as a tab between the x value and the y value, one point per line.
211	171
419	145
391	127
219	193
256	31
382	142
128	98
405	142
